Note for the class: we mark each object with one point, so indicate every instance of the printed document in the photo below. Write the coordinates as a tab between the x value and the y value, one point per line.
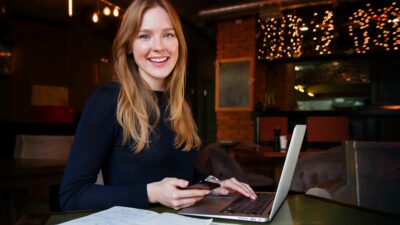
119	215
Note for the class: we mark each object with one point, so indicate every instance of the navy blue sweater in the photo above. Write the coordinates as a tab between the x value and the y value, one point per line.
98	145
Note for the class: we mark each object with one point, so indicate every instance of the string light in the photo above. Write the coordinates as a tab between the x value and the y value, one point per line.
369	28
375	29
284	37
281	37
322	33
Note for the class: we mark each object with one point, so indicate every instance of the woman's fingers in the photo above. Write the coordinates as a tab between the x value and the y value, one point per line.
176	182
184	202
220	191
235	185
192	193
169	192
244	186
185	198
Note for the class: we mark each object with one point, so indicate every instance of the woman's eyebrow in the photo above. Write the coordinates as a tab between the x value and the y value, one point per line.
151	30
145	30
169	29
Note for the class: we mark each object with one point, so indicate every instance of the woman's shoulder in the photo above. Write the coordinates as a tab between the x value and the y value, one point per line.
107	93
109	88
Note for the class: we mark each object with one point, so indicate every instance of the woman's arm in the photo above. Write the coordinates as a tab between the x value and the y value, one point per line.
94	137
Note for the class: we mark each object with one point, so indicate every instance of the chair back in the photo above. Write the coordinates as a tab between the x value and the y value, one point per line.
43	147
373	175
327	128
266	126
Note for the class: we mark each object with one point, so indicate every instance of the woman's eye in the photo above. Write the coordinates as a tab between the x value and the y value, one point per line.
169	35
144	36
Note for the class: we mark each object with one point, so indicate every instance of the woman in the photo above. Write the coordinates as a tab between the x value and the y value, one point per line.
139	131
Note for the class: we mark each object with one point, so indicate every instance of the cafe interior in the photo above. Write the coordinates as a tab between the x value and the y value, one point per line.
256	68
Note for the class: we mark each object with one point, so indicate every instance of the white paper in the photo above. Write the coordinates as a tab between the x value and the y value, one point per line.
115	215
175	219
119	215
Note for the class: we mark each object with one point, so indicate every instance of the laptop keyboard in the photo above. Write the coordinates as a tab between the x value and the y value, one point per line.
245	205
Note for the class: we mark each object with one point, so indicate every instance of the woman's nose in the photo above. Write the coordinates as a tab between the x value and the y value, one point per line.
158	44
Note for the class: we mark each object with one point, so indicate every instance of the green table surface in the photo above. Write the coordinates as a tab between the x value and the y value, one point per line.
296	210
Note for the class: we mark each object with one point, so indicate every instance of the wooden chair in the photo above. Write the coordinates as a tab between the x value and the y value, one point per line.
42	147
50	147
327	128
46	147
371	177
327	131
318	170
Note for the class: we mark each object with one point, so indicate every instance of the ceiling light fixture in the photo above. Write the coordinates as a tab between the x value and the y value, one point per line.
106	6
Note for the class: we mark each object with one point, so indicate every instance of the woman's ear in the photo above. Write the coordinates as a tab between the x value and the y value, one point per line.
129	49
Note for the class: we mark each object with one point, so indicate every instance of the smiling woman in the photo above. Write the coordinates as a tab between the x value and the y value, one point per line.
139	131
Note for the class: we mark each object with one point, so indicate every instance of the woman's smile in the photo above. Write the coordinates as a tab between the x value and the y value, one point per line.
158	59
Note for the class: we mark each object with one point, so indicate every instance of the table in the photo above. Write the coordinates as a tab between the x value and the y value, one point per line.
20	178
297	209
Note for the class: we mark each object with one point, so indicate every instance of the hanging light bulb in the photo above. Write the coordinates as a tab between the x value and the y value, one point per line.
116	12
70	9
95	18
106	11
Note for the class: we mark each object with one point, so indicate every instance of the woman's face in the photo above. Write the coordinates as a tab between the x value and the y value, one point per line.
155	48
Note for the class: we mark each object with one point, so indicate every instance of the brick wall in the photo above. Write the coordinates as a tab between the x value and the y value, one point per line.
234	126
236	38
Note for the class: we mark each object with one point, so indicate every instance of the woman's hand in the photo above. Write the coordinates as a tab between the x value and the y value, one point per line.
233	185
167	193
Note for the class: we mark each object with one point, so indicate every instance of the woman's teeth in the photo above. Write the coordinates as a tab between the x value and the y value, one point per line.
158	60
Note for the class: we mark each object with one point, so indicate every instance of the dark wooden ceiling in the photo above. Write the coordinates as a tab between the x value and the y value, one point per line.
57	9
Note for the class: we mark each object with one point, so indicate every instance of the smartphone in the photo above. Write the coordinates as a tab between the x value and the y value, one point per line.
204	185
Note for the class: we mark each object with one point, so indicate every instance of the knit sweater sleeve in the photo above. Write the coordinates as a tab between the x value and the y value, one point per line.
94	137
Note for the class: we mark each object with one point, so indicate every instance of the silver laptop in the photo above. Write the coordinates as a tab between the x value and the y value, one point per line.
264	208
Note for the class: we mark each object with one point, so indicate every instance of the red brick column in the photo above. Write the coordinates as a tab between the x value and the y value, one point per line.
237	38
